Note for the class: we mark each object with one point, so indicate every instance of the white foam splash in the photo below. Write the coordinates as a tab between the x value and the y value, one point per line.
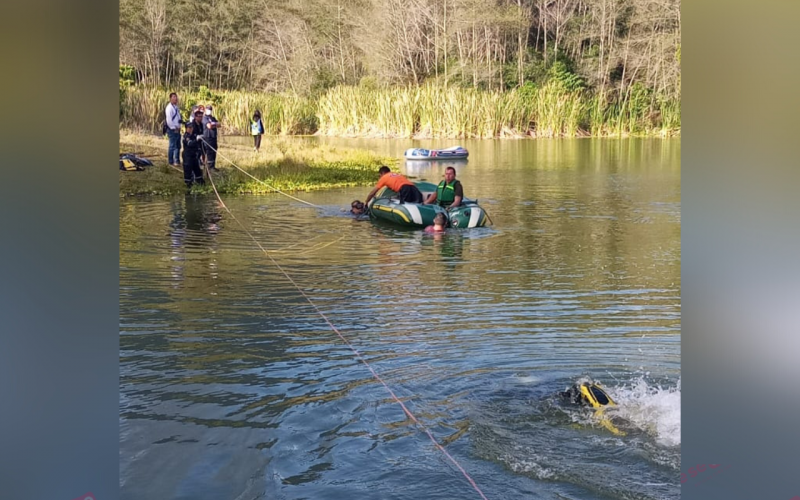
528	465
651	408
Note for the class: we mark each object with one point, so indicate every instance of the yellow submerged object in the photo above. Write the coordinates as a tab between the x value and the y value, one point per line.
595	395
592	394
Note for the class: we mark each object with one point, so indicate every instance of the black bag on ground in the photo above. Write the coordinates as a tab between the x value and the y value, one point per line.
128	166
130	162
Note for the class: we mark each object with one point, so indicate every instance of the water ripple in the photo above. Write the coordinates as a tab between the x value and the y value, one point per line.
232	385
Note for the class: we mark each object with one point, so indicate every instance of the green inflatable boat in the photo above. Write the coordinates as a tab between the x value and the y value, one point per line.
385	206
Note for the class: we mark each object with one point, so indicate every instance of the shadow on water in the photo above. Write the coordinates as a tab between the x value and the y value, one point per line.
431	171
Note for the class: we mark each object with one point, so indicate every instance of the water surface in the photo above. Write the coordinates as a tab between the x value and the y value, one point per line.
233	387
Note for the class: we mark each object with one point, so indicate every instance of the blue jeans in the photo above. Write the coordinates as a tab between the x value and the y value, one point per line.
174	151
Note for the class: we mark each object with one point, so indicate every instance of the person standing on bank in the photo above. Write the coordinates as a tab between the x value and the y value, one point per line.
199	131
256	129
406	190
449	192
173	121
197	123
191	156
210	126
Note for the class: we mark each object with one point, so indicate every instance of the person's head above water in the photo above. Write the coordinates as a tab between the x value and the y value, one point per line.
439	219
357	207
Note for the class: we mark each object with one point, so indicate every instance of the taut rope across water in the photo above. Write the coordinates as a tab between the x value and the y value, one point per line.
255	178
342	337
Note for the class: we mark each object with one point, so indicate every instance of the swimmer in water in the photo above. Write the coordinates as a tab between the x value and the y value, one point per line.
439	222
357	208
592	395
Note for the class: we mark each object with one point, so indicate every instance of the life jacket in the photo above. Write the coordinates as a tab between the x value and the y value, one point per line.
446	193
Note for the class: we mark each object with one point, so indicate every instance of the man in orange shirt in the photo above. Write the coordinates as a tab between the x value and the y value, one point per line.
405	189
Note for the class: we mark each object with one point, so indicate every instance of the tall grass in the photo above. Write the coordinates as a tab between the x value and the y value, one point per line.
551	110
637	113
558	112
142	109
430	110
670	114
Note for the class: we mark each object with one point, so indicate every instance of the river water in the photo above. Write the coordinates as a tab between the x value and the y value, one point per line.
232	386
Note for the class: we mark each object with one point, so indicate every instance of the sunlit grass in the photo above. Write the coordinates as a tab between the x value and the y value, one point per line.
427	111
143	108
281	163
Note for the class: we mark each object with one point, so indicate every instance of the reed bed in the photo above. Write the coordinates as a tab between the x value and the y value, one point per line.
427	111
142	109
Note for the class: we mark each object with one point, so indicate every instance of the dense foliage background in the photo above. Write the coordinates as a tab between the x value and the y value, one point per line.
621	57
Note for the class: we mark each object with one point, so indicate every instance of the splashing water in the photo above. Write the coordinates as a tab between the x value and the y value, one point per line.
533	432
653	409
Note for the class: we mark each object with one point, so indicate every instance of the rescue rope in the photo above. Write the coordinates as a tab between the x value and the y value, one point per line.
355	351
254	178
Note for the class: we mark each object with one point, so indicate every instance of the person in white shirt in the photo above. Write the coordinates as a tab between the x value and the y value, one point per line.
173	120
256	129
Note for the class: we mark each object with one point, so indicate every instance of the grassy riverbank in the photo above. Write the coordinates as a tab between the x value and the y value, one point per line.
280	163
554	109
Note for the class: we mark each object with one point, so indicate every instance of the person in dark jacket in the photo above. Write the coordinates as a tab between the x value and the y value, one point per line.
191	157
210	125
196	119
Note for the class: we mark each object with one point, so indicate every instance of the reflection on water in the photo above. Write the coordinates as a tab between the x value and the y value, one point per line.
231	385
431	171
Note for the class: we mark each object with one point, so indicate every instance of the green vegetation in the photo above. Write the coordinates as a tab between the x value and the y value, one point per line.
431	68
126	79
142	108
280	164
553	110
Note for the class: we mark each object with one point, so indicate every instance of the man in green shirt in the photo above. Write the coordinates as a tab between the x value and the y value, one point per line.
449	192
